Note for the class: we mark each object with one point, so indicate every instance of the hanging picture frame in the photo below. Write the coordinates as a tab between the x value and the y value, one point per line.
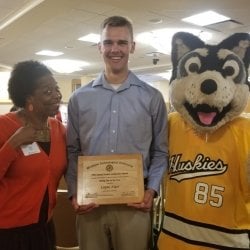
75	86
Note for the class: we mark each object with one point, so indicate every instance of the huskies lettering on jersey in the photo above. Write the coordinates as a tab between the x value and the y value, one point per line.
201	166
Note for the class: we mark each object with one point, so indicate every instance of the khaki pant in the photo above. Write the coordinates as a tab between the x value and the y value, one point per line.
117	227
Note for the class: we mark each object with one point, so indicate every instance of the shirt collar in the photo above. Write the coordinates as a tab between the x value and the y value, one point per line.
132	79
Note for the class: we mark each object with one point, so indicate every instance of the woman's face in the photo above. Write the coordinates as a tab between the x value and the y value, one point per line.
46	97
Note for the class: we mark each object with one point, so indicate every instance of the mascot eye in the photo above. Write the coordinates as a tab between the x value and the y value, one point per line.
193	65
231	68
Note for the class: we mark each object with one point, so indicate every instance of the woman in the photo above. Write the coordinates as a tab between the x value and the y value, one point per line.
32	159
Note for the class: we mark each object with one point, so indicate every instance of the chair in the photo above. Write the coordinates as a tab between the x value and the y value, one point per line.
64	220
158	214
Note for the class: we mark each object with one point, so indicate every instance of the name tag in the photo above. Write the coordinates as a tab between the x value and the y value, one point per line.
30	149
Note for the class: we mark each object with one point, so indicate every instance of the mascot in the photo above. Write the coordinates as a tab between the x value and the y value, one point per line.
207	197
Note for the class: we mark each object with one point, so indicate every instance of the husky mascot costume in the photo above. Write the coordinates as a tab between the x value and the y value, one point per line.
207	198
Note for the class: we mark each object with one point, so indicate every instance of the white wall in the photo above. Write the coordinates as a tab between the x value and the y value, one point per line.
162	86
4	107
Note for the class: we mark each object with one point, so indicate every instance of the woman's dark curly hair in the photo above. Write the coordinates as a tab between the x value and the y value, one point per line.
23	80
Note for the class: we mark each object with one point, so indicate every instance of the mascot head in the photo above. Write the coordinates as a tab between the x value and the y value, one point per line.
209	85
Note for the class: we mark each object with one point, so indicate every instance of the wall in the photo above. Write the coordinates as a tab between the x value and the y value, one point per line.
162	86
66	85
66	82
5	107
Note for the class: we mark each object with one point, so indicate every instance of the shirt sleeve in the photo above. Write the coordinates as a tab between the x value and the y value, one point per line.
73	146
7	155
158	150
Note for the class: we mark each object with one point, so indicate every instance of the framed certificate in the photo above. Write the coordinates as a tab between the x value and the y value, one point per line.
110	179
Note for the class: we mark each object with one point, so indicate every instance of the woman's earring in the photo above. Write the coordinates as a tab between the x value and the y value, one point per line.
30	107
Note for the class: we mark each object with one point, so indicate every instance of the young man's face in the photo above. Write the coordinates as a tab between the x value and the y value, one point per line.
115	46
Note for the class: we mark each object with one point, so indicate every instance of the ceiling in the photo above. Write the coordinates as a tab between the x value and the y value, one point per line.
57	24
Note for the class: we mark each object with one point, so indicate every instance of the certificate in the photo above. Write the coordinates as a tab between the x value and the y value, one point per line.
110	179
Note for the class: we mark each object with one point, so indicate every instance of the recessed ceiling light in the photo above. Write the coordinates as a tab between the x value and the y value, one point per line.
91	37
160	39
206	18
65	65
155	20
49	53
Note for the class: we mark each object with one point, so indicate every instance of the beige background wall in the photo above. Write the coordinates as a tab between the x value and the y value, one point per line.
66	83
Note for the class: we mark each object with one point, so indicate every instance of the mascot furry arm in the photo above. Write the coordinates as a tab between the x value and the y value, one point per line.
207	187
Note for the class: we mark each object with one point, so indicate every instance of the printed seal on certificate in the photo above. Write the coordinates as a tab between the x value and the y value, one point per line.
110	179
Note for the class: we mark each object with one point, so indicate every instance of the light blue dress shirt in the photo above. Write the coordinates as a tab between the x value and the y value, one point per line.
131	119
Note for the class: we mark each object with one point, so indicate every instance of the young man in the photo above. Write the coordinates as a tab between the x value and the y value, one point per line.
117	113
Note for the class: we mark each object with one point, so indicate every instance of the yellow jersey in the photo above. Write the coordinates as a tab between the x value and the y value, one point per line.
207	187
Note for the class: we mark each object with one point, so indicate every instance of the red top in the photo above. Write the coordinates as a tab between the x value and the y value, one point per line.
24	179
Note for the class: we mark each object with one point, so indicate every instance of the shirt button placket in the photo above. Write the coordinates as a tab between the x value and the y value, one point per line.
114	123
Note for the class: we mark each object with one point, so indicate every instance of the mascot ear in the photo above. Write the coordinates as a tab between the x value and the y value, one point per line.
182	43
239	43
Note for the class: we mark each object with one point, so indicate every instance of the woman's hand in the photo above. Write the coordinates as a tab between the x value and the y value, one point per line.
24	135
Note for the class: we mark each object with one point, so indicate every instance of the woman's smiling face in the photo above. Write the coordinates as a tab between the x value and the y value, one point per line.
46	97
